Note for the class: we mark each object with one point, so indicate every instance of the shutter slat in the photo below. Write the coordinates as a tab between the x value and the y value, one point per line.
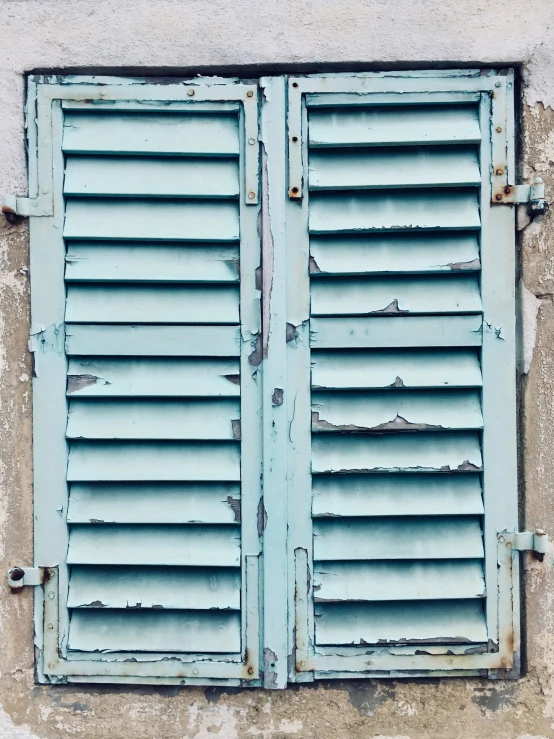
359	296
151	544
395	211
435	537
412	253
425	124
438	452
145	177
396	495
161	220
112	262
130	461
392	369
413	331
151	341
157	630
154	419
420	621
388	581
153	377
151	503
152	304
154	587
386	411
384	168
151	133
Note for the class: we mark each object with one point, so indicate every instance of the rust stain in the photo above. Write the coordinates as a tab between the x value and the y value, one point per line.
234	504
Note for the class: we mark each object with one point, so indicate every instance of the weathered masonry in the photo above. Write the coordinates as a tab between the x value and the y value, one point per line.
273	326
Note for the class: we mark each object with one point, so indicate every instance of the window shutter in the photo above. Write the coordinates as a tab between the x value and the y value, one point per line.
147	424
401	295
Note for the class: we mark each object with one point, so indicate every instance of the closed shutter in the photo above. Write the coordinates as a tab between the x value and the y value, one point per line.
157	562
406	444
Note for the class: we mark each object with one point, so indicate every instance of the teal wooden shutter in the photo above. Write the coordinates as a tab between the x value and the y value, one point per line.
401	301
147	425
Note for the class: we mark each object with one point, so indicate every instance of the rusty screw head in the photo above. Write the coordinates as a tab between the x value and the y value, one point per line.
250	670
249	94
499	171
17	574
498	197
294	190
295	84
498	129
190	93
507	190
251	195
295	139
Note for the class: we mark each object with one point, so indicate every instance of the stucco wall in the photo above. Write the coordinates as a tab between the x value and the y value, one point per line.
134	35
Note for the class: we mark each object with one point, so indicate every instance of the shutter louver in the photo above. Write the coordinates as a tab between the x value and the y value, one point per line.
367	563
140	422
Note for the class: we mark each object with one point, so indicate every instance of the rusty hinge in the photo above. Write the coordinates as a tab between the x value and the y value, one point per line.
14	207
533	194
19	577
526	541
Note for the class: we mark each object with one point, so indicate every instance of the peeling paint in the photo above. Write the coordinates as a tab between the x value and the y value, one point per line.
530	306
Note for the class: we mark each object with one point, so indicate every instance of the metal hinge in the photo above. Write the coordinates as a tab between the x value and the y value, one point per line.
533	195
19	577
14	207
526	541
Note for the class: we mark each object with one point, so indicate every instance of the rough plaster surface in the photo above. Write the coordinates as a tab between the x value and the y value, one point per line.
130	35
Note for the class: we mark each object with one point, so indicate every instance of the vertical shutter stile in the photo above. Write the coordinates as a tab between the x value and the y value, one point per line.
163	429
400	565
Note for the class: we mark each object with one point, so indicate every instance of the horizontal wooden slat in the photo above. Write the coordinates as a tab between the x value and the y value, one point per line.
113	262
154	503
151	133
157	630
148	341
420	621
154	419
400	253
98	303
411	410
153	377
434	537
149	177
350	296
154	587
412	331
161	220
396	167
392	369
393	210
396	495
374	581
428	452
130	461
398	125
196	546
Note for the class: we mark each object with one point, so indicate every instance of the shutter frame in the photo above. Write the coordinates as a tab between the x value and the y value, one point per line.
53	97
494	95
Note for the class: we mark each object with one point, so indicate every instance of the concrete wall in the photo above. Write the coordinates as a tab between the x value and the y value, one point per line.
279	35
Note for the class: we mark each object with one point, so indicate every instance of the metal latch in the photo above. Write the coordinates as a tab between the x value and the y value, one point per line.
533	195
526	541
19	577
